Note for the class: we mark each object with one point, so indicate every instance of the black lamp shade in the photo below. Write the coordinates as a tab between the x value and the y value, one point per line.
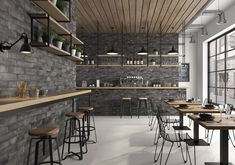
173	51
112	51
25	48
142	52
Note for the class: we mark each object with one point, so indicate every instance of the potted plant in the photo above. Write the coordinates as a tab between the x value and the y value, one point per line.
79	51
65	46
58	42
63	5
153	62
155	51
73	50
45	32
54	2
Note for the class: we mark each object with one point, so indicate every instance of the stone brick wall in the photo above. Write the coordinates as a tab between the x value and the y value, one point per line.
41	68
107	102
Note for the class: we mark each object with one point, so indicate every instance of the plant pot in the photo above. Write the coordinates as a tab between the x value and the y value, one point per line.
73	52
59	44
54	2
65	47
153	63
155	52
79	54
45	39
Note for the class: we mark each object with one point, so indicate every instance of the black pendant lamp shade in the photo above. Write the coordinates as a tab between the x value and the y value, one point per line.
142	52
173	51
112	51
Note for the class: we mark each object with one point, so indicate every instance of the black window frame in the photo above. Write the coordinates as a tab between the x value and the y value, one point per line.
225	70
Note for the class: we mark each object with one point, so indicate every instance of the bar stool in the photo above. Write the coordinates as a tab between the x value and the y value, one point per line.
144	101
75	127
43	135
127	100
89	127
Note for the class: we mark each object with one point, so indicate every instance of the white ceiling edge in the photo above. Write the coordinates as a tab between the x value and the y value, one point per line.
207	19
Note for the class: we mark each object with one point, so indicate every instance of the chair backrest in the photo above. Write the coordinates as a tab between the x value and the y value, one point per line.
154	108
162	126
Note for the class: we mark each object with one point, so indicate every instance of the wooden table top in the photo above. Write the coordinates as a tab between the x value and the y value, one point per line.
223	124
8	104
195	109
178	102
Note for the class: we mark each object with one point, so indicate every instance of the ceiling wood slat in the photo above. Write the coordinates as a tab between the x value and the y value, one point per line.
134	15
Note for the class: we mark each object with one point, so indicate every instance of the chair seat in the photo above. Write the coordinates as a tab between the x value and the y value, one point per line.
52	131
177	137
78	115
86	108
126	98
143	98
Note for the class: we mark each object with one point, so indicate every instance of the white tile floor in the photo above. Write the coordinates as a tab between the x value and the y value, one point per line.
130	142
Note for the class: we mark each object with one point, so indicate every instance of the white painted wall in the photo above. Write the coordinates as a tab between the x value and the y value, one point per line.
198	84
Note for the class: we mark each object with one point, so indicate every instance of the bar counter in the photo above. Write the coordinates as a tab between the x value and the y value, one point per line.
134	88
8	104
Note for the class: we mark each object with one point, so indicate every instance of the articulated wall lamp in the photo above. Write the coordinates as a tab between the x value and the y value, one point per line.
25	48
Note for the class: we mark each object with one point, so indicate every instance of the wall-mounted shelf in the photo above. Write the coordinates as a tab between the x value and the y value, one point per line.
52	10
134	65
44	19
53	49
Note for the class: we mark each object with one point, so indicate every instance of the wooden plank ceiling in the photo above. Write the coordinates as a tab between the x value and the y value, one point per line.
136	16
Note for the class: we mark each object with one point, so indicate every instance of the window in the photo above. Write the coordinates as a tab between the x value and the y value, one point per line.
221	69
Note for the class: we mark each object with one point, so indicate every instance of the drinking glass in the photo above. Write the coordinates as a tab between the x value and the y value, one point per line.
221	109
227	110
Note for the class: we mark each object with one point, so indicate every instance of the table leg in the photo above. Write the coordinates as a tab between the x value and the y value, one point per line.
224	159
224	146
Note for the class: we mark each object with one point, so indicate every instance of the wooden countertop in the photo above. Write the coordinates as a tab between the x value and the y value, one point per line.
128	88
8	104
223	124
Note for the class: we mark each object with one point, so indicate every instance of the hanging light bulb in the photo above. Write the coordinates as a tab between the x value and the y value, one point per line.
192	40
221	18
204	31
112	50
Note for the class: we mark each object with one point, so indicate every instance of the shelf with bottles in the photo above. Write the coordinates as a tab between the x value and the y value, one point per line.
59	10
109	55
165	55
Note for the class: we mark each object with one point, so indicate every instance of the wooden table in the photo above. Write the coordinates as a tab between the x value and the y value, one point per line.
195	109
224	127
178	102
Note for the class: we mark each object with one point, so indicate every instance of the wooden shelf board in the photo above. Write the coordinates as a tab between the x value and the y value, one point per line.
110	65
166	55
51	48
133	88
55	26
171	65
134	65
84	65
74	58
76	41
108	55
52	10
154	65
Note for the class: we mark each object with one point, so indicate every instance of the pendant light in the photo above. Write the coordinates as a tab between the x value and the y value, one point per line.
221	18
143	52
112	50
173	51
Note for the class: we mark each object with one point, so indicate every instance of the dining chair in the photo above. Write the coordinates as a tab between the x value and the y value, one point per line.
171	138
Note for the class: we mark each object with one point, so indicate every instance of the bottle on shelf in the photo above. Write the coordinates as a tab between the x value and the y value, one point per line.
134	61
141	61
127	61
137	61
92	61
130	61
88	61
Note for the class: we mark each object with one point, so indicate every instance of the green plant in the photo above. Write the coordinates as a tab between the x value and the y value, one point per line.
58	38
73	47
79	49
155	50
61	4
45	30
152	60
66	42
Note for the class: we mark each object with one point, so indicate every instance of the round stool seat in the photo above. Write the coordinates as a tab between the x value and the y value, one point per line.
126	98
86	108
53	131
143	98
78	115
